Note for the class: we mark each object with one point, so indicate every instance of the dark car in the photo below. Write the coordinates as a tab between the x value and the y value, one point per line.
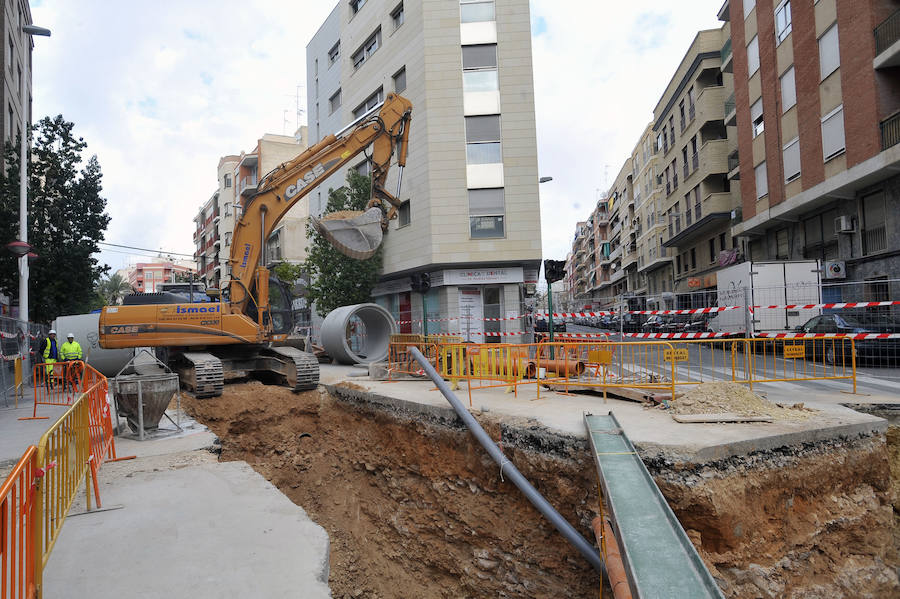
653	324
837	351
675	324
541	325
699	323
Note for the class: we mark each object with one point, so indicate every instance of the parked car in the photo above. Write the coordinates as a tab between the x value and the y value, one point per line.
675	324
699	323
541	325
838	351
654	323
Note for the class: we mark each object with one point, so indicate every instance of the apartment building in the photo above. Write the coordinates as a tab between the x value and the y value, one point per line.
238	177
693	145
817	111
472	221
16	68
144	277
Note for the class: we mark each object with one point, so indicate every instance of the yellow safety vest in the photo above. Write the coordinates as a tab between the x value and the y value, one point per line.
70	351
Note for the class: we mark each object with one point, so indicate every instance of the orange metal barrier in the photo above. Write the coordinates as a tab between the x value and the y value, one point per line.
58	384
401	362
17	508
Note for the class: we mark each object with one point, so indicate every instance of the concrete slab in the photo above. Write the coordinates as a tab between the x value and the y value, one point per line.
653	430
16	435
188	527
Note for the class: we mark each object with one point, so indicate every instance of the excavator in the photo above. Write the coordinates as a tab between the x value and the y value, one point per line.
244	329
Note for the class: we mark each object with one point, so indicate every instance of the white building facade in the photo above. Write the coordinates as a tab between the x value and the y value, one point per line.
472	221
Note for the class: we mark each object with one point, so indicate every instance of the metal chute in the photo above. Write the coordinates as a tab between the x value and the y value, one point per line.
353	233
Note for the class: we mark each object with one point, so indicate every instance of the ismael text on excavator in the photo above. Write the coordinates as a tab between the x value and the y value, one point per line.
245	331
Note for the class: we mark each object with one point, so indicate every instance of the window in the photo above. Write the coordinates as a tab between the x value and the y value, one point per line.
486	211
748	6
782	245
791	154
12	51
403	217
874	226
400	80
483	128
693	258
363	168
833	133
227	208
762	180
9	129
678	264
334	53
355	5
370	103
484	153
712	250
481	56
397	17
227	238
753	56
475	12
227	182
829	54
782	21
149	275
788	90
722	242
369	47
334	102
480	81
756	116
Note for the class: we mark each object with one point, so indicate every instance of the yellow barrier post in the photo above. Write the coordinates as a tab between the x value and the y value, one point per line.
853	362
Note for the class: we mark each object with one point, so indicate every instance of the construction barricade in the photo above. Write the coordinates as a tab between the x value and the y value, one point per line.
17	555
58	384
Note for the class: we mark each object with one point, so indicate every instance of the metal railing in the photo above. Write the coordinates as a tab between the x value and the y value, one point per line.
733	161
890	131
729	105
726	50
887	33
874	239
17	529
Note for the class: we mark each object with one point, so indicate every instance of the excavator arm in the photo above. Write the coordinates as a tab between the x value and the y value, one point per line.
356	234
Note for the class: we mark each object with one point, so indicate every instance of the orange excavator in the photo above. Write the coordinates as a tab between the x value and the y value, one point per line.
244	330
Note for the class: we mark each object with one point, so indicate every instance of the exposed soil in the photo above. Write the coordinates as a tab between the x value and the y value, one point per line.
415	508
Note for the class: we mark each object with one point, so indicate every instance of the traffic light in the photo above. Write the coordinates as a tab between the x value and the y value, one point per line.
554	270
420	282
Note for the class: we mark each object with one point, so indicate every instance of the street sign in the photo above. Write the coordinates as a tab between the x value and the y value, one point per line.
796	350
678	355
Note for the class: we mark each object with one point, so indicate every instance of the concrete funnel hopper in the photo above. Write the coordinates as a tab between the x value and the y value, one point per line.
154	391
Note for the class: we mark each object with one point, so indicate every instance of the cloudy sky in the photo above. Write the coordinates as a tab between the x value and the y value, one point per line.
161	89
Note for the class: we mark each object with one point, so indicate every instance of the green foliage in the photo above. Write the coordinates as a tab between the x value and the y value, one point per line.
335	279
111	290
66	219
287	272
182	276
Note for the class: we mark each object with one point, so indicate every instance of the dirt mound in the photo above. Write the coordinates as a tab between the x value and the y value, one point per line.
734	398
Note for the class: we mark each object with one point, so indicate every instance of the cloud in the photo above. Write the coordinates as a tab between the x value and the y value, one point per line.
599	70
160	94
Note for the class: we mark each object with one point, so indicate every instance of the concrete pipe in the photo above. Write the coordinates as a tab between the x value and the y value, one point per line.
369	345
85	327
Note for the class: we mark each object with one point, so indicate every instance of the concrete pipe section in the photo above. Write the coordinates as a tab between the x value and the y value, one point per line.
358	334
85	327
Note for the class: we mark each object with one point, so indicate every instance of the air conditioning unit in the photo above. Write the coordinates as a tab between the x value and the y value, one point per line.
844	224
835	269
737	215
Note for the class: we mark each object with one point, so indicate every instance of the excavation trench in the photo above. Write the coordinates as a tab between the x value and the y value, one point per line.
414	507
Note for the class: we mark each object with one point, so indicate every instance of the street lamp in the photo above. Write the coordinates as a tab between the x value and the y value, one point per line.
23	193
545	179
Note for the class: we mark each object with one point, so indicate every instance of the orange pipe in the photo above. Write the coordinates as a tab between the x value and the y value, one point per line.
562	367
615	569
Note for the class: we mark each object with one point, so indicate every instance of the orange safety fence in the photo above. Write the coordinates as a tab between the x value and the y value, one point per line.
400	361
58	384
17	507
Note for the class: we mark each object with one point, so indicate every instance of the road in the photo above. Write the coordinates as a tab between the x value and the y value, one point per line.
712	362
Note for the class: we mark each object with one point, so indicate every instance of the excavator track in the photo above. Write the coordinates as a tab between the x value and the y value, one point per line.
201	373
305	375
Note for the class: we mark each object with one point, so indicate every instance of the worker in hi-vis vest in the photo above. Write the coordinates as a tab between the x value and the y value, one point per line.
51	354
70	352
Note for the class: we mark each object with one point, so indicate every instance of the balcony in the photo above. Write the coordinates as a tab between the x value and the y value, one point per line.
890	131
602	217
727	57
711	104
887	42
656	259
616	230
615	253
711	159
708	215
734	166
248	185
730	111
617	276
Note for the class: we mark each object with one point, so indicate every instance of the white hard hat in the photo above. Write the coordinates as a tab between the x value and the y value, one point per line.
70	336
52	332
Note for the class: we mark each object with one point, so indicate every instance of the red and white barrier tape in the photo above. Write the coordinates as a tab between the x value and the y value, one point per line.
856	336
681	335
831	306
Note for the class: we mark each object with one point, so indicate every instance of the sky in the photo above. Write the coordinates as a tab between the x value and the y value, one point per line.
161	89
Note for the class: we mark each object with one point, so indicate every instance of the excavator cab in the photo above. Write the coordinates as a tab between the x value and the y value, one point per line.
281	313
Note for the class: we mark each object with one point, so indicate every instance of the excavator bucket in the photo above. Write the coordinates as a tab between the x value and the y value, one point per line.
353	233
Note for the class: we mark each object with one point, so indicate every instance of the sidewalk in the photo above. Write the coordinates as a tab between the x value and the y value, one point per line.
177	523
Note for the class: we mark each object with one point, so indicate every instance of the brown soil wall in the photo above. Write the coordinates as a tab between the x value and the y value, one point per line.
415	508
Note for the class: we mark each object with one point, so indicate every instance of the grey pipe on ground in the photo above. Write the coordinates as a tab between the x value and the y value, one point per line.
506	467
378	326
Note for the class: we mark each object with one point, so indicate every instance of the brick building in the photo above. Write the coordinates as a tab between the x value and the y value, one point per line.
817	111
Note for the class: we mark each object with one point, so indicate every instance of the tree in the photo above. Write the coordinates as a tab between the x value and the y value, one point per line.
335	279
113	289
66	219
